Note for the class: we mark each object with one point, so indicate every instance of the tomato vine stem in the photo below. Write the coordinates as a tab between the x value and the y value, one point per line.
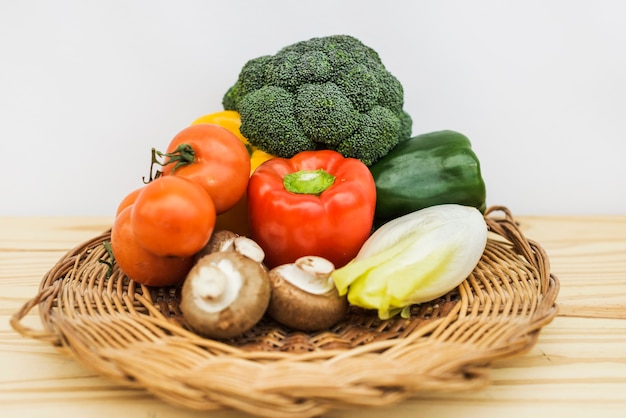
183	155
109	250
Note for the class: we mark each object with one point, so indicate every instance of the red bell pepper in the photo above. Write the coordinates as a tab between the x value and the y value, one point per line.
316	203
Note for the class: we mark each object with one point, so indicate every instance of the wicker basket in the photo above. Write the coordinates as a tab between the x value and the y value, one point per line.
136	336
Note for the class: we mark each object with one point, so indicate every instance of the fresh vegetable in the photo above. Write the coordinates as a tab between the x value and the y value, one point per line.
427	170
140	264
323	93
231	120
225	294
304	296
228	119
414	259
172	216
225	240
316	203
128	200
213	157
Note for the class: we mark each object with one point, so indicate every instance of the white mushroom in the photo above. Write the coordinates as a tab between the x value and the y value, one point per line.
225	294
304	296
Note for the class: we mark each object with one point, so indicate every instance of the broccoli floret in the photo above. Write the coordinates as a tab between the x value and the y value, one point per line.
251	78
376	136
267	115
323	93
406	126
325	113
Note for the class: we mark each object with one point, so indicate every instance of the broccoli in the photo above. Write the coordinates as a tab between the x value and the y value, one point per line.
323	93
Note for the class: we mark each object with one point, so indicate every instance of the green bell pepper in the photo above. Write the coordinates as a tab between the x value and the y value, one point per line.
427	170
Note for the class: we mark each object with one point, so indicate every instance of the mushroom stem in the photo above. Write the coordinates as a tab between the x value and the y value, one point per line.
210	283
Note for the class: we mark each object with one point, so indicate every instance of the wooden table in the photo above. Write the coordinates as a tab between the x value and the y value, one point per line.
577	368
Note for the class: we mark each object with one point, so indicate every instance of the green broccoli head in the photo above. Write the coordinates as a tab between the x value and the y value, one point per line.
324	93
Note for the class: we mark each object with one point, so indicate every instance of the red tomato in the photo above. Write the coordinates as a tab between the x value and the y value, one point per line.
138	263
218	161
128	200
173	216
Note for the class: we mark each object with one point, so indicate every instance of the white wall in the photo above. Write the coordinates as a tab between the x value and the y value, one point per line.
88	87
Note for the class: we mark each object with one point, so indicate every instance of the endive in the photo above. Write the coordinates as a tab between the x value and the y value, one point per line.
414	259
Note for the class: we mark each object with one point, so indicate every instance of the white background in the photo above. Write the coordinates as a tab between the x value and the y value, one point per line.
87	88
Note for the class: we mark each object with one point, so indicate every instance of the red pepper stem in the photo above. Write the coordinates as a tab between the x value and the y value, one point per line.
313	182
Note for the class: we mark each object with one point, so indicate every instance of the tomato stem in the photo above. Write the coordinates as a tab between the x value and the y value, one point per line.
183	155
109	250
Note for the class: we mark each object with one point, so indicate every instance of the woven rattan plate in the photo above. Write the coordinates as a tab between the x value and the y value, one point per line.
136	336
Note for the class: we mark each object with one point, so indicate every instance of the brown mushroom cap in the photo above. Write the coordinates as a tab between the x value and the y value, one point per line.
299	309
221	240
225	240
225	295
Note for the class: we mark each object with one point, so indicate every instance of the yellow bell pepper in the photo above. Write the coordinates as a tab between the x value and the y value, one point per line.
236	219
231	120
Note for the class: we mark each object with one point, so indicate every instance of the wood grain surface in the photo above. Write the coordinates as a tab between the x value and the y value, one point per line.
577	368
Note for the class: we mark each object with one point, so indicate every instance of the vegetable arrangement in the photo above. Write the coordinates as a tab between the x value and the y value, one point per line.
305	195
